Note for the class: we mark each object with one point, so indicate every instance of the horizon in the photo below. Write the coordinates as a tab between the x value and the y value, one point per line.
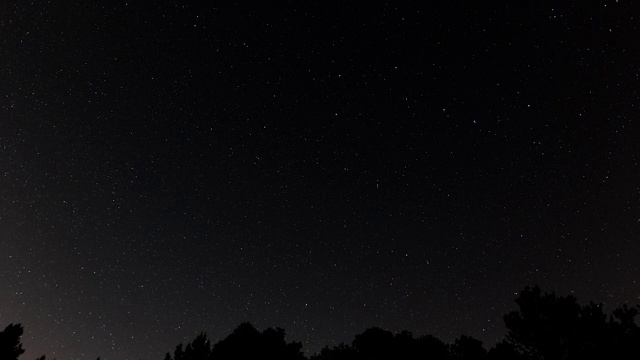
554	308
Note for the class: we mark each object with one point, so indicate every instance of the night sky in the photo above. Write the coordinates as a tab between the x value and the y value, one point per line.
324	167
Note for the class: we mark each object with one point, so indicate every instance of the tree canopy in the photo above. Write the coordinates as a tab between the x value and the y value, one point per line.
545	326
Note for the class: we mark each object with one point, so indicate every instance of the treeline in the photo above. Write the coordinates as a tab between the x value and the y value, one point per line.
546	326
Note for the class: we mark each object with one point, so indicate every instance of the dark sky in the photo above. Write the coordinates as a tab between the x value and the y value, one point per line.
324	167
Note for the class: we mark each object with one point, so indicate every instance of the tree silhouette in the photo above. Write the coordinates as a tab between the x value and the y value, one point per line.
504	350
376	343
245	342
624	333
467	348
178	353
340	352
545	326
431	346
10	345
200	348
554	327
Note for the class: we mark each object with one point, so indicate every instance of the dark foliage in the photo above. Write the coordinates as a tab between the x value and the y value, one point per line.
546	326
466	347
375	343
199	349
245	342
340	352
10	346
504	351
554	327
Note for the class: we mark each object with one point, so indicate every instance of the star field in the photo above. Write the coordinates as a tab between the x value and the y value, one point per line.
324	168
